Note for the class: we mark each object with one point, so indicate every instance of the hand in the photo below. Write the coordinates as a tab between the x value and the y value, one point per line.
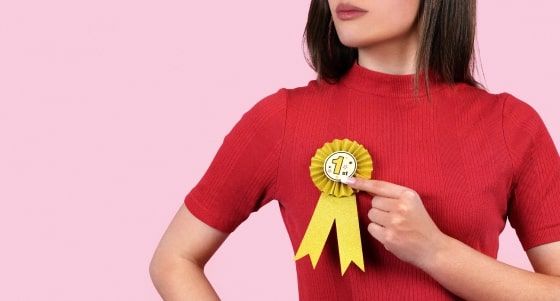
400	222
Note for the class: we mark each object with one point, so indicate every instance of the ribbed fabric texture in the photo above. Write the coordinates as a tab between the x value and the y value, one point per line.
474	157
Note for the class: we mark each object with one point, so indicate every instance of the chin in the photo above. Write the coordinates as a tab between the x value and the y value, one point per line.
356	41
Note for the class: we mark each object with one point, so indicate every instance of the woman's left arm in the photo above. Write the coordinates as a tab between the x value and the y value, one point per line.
473	275
401	223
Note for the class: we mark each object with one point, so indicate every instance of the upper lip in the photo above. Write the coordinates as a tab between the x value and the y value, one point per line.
348	7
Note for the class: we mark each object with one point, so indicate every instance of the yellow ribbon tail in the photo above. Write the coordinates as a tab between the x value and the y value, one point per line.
348	233
329	209
317	231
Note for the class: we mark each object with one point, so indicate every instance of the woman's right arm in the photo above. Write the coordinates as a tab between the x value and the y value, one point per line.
177	266
240	179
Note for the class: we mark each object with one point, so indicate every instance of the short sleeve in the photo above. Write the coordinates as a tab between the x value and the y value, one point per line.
534	202
241	177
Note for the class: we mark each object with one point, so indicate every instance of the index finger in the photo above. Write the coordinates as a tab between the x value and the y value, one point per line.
376	187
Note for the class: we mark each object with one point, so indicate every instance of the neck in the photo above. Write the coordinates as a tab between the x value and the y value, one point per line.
394	56
379	83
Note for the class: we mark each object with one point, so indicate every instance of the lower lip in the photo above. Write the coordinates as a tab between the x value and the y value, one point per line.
348	15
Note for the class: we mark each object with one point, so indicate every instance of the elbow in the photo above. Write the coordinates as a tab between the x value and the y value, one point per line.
163	264
155	268
159	266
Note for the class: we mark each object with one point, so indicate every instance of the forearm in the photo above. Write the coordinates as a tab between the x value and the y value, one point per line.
473	275
181	279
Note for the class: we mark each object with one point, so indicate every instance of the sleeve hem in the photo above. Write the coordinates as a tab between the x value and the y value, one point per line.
205	216
543	236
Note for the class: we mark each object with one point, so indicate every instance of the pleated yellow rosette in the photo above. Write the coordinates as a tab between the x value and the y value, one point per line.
337	203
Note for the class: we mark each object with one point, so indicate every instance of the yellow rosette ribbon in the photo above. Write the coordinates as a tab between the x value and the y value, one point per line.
332	162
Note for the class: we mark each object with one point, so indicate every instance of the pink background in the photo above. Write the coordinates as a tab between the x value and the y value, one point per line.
101	105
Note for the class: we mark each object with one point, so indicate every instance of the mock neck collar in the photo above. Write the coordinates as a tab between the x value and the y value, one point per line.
386	84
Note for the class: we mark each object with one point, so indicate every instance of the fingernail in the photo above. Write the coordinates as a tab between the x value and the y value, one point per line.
348	180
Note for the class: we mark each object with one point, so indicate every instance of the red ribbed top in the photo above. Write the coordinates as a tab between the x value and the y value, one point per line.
475	158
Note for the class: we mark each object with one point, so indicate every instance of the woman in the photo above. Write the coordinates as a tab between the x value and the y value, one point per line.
451	163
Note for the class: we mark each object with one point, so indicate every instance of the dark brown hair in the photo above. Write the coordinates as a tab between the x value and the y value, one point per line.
446	42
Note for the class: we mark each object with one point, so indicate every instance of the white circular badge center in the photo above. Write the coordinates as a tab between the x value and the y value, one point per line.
340	164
